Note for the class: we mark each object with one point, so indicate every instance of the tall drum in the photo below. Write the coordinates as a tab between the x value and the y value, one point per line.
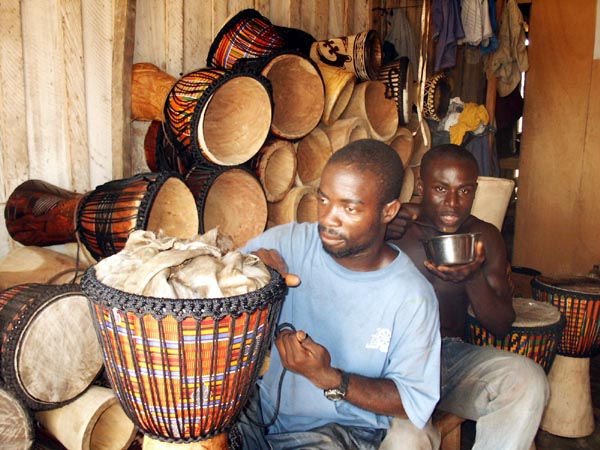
183	368
569	412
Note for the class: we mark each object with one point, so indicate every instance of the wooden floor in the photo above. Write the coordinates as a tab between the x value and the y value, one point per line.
547	441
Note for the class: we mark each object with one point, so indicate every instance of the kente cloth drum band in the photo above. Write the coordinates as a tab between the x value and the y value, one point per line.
248	34
437	97
398	83
151	201
535	333
205	108
49	353
578	298
183	368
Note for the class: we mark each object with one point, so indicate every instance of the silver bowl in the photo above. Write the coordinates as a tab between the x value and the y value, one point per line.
451	249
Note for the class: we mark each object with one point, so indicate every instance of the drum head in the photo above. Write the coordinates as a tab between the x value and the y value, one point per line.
578	284
53	354
532	313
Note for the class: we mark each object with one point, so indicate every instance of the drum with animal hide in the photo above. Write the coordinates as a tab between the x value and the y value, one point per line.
49	351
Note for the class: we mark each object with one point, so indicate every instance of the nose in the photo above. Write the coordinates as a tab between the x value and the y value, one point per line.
451	199
327	215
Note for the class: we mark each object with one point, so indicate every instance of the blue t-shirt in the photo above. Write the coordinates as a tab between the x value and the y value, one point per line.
378	324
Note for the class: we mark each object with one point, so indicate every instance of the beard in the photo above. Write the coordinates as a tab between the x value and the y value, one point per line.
347	250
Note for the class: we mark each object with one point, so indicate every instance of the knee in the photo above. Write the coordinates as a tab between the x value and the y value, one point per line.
403	435
529	382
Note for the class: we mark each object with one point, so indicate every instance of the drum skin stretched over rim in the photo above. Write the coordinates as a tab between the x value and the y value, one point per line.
230	198
578	299
49	353
221	116
535	333
215	349
151	201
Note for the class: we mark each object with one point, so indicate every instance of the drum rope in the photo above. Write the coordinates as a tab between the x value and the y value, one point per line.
282	326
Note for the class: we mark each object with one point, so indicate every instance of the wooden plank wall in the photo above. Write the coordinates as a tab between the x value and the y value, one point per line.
558	212
65	75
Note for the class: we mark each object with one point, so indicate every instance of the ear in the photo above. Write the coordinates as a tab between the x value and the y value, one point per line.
390	210
419	188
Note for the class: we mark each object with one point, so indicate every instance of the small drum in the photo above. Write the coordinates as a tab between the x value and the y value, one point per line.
16	424
247	34
230	198
49	351
221	116
359	54
535	333
398	81
41	214
183	368
578	298
275	166
151	201
437	97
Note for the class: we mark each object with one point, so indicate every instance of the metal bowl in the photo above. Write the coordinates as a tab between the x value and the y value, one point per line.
451	249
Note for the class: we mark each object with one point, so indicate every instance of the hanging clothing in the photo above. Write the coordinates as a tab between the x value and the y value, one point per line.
510	60
476	23
447	31
402	38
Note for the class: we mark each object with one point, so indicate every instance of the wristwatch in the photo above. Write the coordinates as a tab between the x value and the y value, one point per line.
338	393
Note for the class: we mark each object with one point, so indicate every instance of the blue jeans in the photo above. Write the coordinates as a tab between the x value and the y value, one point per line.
329	437
503	392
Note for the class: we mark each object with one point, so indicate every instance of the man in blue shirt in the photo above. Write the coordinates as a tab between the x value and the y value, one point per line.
362	342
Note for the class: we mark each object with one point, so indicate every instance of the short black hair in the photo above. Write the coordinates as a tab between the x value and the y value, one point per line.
448	152
378	158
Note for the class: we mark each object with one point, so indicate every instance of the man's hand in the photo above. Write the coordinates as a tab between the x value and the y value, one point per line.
397	227
462	272
300	354
273	259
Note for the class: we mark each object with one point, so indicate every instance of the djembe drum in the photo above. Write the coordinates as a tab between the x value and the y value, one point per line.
535	333
151	201
569	412
183	368
49	354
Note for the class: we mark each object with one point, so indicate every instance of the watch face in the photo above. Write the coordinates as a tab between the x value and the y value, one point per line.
335	394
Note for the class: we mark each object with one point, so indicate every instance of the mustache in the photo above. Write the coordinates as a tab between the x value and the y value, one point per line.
330	231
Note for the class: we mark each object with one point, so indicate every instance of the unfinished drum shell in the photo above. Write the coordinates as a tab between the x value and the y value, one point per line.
275	166
368	102
230	198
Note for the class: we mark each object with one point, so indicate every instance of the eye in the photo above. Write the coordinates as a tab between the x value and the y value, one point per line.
465	191
351	209
322	199
440	189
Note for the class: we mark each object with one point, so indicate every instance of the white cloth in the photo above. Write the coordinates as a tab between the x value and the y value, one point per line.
475	17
